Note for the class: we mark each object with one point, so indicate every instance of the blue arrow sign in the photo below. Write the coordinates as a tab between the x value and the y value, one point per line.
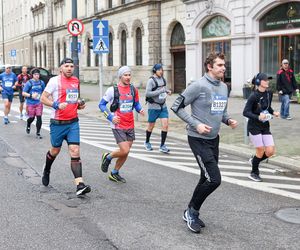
100	28
13	53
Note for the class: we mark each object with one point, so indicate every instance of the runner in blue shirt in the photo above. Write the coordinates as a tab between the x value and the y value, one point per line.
8	83
33	90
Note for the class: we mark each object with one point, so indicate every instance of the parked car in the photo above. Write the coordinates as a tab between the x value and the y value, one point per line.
17	69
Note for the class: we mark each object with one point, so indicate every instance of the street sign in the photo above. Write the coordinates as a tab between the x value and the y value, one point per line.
78	47
75	27
100	36
13	53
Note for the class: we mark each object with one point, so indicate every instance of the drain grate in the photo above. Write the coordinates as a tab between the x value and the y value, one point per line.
291	215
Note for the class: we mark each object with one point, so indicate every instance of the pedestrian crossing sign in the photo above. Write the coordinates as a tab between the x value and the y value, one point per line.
101	44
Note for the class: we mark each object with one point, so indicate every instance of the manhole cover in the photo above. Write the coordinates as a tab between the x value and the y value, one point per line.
291	215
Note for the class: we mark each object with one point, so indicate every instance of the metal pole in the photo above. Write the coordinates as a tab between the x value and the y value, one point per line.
100	75
75	42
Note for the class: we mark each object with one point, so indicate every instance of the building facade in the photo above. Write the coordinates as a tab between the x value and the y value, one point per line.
255	36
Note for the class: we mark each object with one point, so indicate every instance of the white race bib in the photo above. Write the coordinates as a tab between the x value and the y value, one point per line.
8	84
126	107
72	95
218	104
162	96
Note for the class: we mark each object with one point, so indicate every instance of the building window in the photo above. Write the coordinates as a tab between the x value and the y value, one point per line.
58	54
282	44
109	4
123	48
138	41
40	55
96	60
178	36
216	27
110	54
88	54
284	16
123	1
35	55
45	55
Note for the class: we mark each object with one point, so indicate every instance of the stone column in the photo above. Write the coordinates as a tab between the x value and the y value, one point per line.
154	29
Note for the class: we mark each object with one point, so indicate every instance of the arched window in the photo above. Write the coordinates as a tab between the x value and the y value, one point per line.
110	54
138	42
123	48
178	36
216	38
58	54
88	54
45	55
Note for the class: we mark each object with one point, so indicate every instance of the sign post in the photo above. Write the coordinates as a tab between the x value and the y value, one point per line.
75	28
100	46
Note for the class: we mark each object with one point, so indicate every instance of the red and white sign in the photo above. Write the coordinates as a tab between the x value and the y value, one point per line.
75	27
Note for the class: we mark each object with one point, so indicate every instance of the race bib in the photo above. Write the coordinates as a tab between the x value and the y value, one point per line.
126	106
218	104
38	97
162	96
8	84
72	95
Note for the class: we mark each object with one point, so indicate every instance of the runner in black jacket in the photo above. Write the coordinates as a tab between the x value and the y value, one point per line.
259	111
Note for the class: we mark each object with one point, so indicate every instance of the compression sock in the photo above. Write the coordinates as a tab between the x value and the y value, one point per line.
148	134
163	137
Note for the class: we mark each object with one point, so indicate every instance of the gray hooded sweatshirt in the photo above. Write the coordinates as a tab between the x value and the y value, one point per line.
159	95
208	100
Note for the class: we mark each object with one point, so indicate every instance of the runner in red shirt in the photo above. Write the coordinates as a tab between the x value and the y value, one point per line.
63	90
121	120
22	79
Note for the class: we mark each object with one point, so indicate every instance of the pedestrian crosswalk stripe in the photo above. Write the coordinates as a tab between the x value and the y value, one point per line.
98	133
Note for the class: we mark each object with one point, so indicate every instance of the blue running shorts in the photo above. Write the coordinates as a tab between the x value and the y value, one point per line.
61	132
154	114
6	96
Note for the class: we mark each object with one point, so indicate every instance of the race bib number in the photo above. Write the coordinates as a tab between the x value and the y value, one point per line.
38	95
126	107
8	84
72	95
218	104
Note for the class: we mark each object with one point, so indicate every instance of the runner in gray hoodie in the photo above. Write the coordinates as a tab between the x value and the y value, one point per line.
208	100
156	94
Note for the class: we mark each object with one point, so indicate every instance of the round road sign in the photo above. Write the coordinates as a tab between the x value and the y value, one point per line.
75	27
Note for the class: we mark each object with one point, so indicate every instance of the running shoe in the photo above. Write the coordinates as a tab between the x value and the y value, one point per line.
255	177
116	177
82	189
38	136
184	217
21	117
193	221
148	146
5	120
27	130
289	118
46	177
164	149
105	162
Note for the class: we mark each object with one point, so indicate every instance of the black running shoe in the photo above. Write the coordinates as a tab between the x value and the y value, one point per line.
28	130
255	177
184	217
193	221
116	177
46	178
105	162
38	136
82	189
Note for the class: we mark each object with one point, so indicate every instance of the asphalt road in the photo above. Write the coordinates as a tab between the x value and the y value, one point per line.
144	213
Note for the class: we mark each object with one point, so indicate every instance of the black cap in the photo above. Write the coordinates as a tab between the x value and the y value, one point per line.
35	71
259	77
66	60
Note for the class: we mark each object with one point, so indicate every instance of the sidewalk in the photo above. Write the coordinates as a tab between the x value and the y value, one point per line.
286	133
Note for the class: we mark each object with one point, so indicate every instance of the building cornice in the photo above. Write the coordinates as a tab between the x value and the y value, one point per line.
37	7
